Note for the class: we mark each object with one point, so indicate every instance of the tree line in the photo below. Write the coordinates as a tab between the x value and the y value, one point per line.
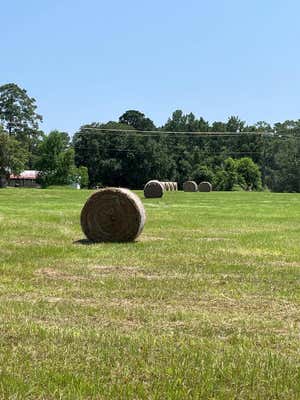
232	155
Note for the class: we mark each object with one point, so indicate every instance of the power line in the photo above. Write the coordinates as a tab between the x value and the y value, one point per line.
159	134
225	152
177	133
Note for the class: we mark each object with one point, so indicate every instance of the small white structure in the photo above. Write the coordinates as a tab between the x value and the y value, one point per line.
75	186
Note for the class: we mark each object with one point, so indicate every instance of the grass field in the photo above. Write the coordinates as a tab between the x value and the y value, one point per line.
206	305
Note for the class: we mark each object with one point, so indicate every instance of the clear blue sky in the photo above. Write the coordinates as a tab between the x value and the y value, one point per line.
91	60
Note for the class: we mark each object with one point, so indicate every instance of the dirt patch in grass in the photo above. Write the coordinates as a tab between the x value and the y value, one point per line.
51	273
148	238
206	239
285	264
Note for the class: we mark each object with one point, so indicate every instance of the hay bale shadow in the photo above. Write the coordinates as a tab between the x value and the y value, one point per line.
84	242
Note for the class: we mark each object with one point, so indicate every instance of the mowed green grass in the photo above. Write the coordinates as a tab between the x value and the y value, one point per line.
205	305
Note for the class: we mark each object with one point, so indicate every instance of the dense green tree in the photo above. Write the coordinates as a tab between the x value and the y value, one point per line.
56	159
226	176
13	156
218	126
79	175
284	166
19	117
17	110
120	153
121	159
202	173
234	124
249	173
137	120
180	122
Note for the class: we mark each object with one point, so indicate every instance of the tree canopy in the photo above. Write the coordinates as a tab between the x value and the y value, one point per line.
17	110
231	154
13	157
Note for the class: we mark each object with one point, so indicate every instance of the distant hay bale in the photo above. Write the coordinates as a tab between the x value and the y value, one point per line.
153	189
153	180
113	215
205	187
167	186
190	186
171	186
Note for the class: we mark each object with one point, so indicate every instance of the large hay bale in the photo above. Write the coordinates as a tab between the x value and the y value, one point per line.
205	187
113	215
153	189
190	186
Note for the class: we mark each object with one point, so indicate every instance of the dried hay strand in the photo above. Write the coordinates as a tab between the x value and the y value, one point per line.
153	189
205	187
190	186
113	215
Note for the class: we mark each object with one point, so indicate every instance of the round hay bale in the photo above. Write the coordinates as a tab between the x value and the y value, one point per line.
190	186
113	215
153	180
205	187
153	189
171	186
167	186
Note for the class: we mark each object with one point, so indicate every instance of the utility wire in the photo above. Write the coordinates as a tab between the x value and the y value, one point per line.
175	133
141	133
225	152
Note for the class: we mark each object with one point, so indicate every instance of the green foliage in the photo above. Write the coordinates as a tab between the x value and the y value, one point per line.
226	176
249	174
202	173
120	159
17	110
18	116
237	174
284	164
12	156
180	122
234	124
79	175
83	176
137	120
56	159
131	158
